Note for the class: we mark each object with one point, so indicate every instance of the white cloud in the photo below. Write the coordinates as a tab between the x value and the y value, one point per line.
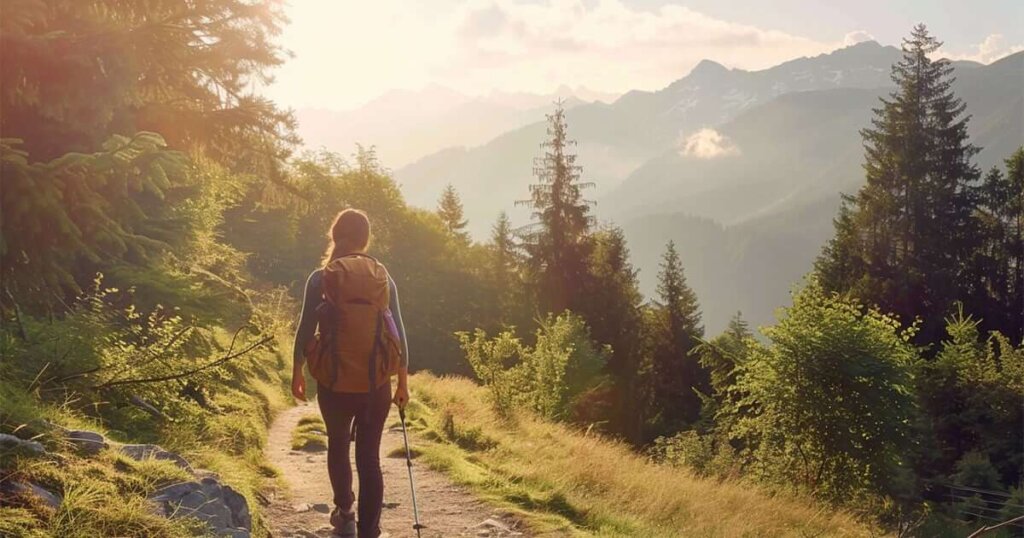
857	36
708	144
606	45
349	52
992	48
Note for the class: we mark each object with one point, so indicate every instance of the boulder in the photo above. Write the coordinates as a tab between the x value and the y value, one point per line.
239	507
15	488
16	445
86	442
221	507
144	452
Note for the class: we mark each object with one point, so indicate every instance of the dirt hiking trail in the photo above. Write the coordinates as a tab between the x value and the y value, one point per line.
302	510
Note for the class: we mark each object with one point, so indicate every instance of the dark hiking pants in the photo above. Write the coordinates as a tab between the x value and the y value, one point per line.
339	409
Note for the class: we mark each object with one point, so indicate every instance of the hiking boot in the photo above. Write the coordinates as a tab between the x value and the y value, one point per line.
344	523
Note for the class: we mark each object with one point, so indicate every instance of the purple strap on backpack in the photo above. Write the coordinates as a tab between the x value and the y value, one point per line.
389	319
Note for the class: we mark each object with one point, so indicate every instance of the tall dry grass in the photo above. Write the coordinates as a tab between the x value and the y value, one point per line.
565	482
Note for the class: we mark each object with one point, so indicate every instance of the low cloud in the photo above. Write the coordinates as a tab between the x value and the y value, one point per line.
708	144
992	48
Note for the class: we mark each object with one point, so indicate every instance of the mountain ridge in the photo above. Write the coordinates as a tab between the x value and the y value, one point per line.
776	182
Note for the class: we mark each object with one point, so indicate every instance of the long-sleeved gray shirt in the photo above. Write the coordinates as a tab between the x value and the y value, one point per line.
311	300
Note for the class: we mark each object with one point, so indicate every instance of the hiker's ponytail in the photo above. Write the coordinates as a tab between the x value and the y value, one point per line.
350	232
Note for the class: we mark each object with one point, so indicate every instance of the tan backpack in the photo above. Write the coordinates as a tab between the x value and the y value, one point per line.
356	347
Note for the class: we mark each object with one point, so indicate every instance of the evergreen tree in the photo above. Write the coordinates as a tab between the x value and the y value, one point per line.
723	358
904	240
612	305
504	270
721	355
449	208
100	102
675	371
999	263
83	210
185	70
972	392
613	300
505	260
558	244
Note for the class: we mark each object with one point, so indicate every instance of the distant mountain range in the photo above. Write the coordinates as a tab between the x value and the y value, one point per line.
773	199
406	125
743	169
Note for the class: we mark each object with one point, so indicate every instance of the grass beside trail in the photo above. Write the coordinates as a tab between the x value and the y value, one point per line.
105	495
562	481
310	434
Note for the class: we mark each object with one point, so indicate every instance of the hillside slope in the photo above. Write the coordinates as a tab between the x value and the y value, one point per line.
563	481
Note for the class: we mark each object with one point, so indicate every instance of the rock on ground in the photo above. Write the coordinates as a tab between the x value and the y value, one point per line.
15	488
142	452
86	442
13	444
225	510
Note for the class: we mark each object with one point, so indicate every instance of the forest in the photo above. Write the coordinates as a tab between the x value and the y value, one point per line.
159	219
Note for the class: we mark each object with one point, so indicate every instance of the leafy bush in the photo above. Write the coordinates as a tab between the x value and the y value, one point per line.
496	362
687	448
972	393
827	407
705	454
104	349
563	363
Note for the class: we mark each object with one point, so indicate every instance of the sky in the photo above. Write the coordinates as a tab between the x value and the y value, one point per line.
349	52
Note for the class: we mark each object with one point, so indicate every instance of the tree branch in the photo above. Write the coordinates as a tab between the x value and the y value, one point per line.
187	373
984	530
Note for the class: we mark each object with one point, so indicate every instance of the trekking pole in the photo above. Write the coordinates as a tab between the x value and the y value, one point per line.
412	486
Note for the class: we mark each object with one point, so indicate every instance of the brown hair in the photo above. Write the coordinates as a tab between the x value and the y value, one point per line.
350	232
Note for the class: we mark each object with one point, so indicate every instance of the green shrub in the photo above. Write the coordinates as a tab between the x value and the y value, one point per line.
496	362
827	406
563	363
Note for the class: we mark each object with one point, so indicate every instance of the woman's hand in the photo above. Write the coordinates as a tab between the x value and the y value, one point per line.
401	395
298	384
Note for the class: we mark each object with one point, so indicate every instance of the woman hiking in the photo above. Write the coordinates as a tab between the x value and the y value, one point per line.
351	337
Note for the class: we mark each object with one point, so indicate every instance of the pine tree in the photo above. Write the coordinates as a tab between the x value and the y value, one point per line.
185	70
613	308
904	240
1013	217
675	369
504	269
505	259
558	243
449	208
999	263
613	300
94	169
721	355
